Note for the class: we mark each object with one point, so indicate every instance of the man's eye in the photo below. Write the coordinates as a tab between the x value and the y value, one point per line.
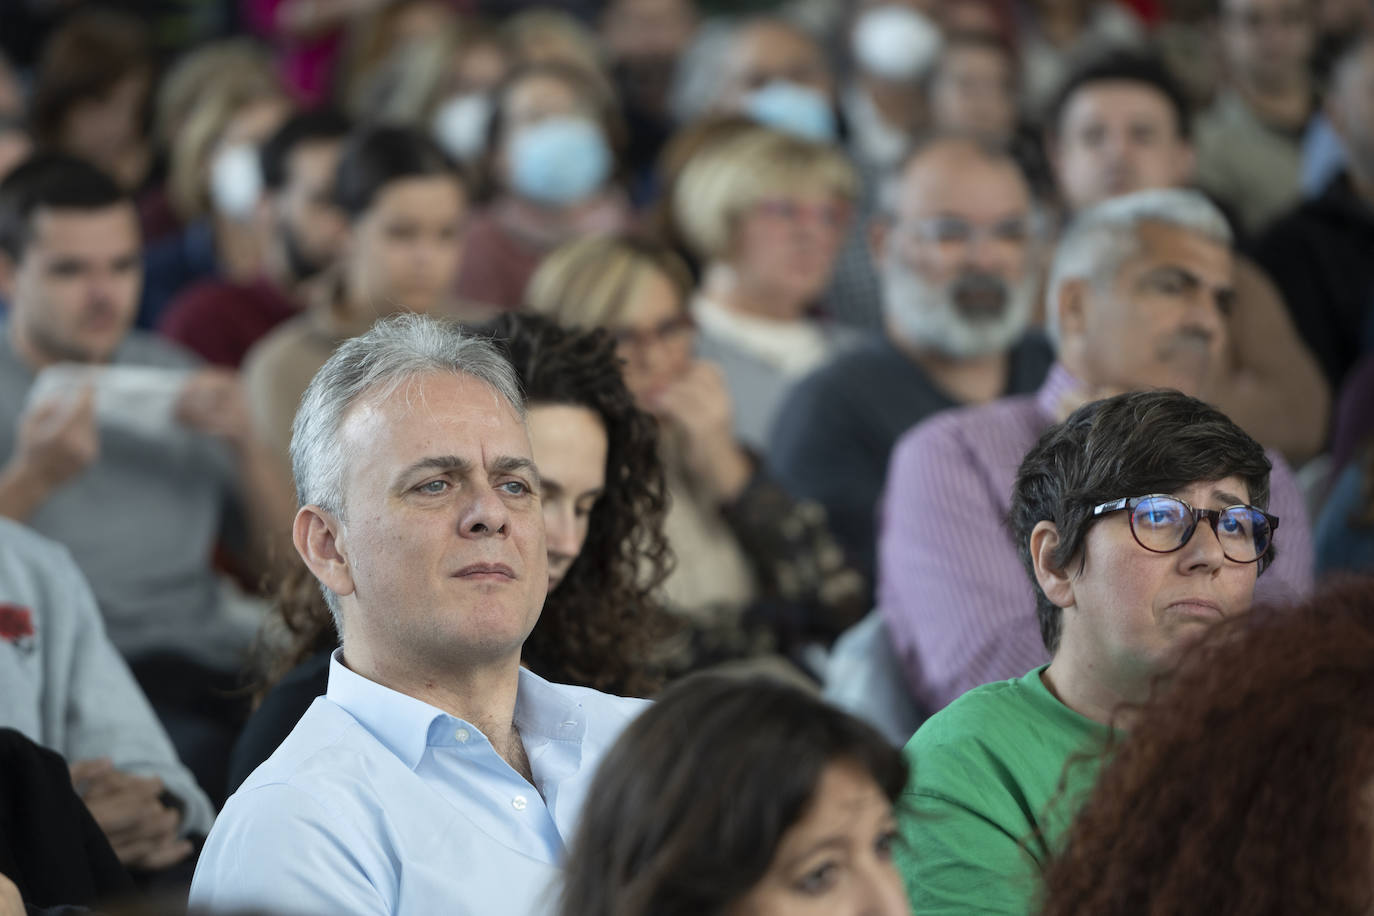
432	486
515	488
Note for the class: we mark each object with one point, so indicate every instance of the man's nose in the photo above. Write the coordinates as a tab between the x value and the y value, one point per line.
485	515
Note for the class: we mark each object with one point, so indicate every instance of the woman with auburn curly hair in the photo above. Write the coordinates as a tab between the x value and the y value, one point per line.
604	503
1247	785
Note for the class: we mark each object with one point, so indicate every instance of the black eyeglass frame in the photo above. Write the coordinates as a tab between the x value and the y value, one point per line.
1213	517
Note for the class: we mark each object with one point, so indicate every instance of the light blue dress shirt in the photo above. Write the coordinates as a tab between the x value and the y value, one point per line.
380	803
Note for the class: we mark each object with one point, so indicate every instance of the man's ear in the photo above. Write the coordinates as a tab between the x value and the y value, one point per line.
1071	307
1054	582
318	536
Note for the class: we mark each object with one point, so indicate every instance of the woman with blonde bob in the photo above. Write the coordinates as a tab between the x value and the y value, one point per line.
766	214
757	572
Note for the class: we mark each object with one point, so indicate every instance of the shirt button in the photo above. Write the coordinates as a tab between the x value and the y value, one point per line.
462	735
518	803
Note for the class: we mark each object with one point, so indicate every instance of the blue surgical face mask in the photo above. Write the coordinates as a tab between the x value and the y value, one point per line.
793	109
559	160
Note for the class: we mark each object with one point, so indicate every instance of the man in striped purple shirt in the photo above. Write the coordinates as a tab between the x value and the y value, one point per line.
1138	295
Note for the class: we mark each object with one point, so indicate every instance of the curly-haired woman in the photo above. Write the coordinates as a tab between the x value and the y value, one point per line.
1247	784
604	503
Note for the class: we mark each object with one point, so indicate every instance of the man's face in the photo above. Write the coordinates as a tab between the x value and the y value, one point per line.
1117	137
1161	322
444	534
956	264
310	227
770	52
644	39
971	92
1134	610
74	292
638	29
1268	42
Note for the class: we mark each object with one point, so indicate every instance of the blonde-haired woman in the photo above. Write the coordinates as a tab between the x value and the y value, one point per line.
766	213
756	571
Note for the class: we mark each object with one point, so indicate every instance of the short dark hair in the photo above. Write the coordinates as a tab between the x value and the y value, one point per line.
315	126
374	157
689	806
1128	445
1122	66
54	181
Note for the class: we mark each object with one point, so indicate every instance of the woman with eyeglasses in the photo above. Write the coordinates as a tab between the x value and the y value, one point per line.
756	571
765	213
1245	787
1141	522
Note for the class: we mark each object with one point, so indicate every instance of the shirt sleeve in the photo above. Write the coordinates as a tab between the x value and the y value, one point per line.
958	604
277	849
956	860
1290	579
107	714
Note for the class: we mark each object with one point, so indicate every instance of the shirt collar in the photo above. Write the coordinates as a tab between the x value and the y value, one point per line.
404	724
400	722
1059	383
542	710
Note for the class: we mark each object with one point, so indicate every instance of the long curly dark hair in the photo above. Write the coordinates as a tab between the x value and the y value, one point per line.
600	625
1244	787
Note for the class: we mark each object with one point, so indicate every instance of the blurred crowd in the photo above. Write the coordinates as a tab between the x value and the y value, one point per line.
843	371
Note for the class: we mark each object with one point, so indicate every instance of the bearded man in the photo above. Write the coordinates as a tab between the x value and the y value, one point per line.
956	249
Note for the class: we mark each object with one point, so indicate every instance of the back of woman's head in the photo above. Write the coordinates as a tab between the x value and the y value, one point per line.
1245	786
599	625
375	157
691	803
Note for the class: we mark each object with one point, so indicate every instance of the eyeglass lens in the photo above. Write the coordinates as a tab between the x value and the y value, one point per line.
1164	524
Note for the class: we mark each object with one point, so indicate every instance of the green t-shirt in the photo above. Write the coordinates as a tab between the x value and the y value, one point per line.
985	803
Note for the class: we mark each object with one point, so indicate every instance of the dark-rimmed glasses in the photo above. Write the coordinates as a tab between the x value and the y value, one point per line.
1162	524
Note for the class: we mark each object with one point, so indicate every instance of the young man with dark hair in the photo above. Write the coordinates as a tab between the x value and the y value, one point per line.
1141	520
300	230
1120	125
141	496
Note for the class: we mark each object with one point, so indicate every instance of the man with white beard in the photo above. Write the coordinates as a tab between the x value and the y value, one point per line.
956	248
1139	293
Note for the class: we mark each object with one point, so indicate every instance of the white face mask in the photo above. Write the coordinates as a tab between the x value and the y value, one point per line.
460	125
895	43
236	181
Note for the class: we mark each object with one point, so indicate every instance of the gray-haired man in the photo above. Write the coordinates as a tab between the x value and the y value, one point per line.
1139	291
436	775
